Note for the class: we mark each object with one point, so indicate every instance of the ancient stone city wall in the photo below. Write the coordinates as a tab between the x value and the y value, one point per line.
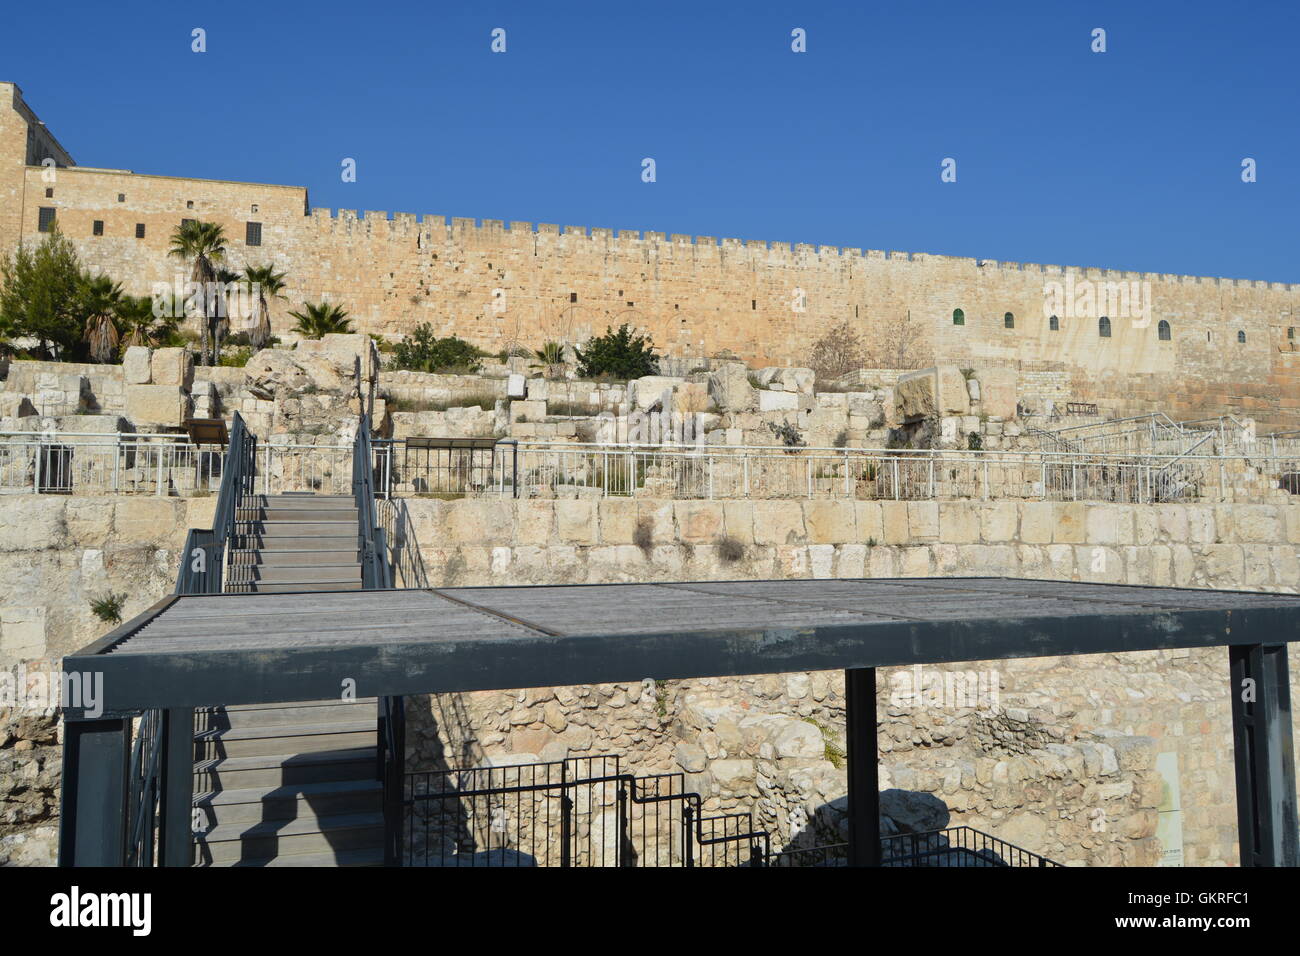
767	302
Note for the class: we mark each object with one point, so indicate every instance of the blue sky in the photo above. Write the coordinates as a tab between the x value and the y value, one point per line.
1128	159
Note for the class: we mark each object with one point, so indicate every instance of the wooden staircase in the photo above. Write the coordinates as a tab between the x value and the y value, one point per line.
296	543
290	784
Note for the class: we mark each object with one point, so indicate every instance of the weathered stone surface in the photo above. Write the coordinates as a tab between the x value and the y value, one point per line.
156	405
136	365
730	390
173	366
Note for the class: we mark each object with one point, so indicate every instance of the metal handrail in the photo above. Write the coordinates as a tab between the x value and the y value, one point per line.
209	548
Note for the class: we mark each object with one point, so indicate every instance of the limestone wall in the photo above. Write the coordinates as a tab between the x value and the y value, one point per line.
766	302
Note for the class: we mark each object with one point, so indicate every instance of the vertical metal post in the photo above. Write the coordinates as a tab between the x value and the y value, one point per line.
92	814
175	835
1264	755
688	836
864	766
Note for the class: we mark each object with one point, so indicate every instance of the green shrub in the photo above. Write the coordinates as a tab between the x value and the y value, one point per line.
108	607
618	354
422	351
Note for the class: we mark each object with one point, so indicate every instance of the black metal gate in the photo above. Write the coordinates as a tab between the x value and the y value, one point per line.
577	812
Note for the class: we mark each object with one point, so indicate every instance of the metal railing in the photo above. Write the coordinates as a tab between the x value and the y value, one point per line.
208	550
74	463
375	571
167	465
955	847
144	789
580	812
730	472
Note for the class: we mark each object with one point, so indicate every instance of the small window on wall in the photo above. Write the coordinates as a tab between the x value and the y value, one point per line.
139	230
98	228
1290	335
121	197
255	210
49	192
1054	324
45	218
1103	327
253	234
1241	338
189	204
958	317
1162	330
1008	321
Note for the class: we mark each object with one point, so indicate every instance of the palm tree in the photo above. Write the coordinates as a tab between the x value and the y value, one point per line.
221	329
135	314
101	298
319	319
265	284
202	243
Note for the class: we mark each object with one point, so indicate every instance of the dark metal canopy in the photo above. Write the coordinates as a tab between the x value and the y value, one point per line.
253	648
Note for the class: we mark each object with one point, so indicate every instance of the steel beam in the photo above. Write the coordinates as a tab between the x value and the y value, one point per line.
176	832
1264	755
864	766
92	813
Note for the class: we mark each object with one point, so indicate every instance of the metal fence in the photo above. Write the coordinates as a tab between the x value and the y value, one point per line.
589	812
580	812
734	472
170	465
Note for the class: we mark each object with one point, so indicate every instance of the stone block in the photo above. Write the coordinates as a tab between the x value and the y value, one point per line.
158	405
137	365
998	391
22	634
769	401
172	367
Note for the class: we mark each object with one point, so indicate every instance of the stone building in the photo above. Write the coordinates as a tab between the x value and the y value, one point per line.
1193	346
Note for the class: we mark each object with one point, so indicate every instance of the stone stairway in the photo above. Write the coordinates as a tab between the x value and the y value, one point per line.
290	784
300	542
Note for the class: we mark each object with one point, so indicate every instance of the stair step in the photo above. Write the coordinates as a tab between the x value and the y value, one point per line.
297	529
286	716
331	702
303	500
273	770
297	514
307	575
297	558
237	842
258	587
304	739
260	804
371	856
297	542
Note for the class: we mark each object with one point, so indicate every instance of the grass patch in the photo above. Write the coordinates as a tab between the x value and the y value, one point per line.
108	607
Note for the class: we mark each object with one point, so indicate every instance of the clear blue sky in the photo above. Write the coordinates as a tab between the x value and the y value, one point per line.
1129	159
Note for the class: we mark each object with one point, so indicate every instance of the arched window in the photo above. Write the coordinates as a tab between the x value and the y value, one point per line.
958	317
1103	327
1241	338
1162	330
1008	321
1054	324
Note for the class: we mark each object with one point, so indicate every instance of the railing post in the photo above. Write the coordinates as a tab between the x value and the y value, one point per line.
688	836
95	780
176	832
